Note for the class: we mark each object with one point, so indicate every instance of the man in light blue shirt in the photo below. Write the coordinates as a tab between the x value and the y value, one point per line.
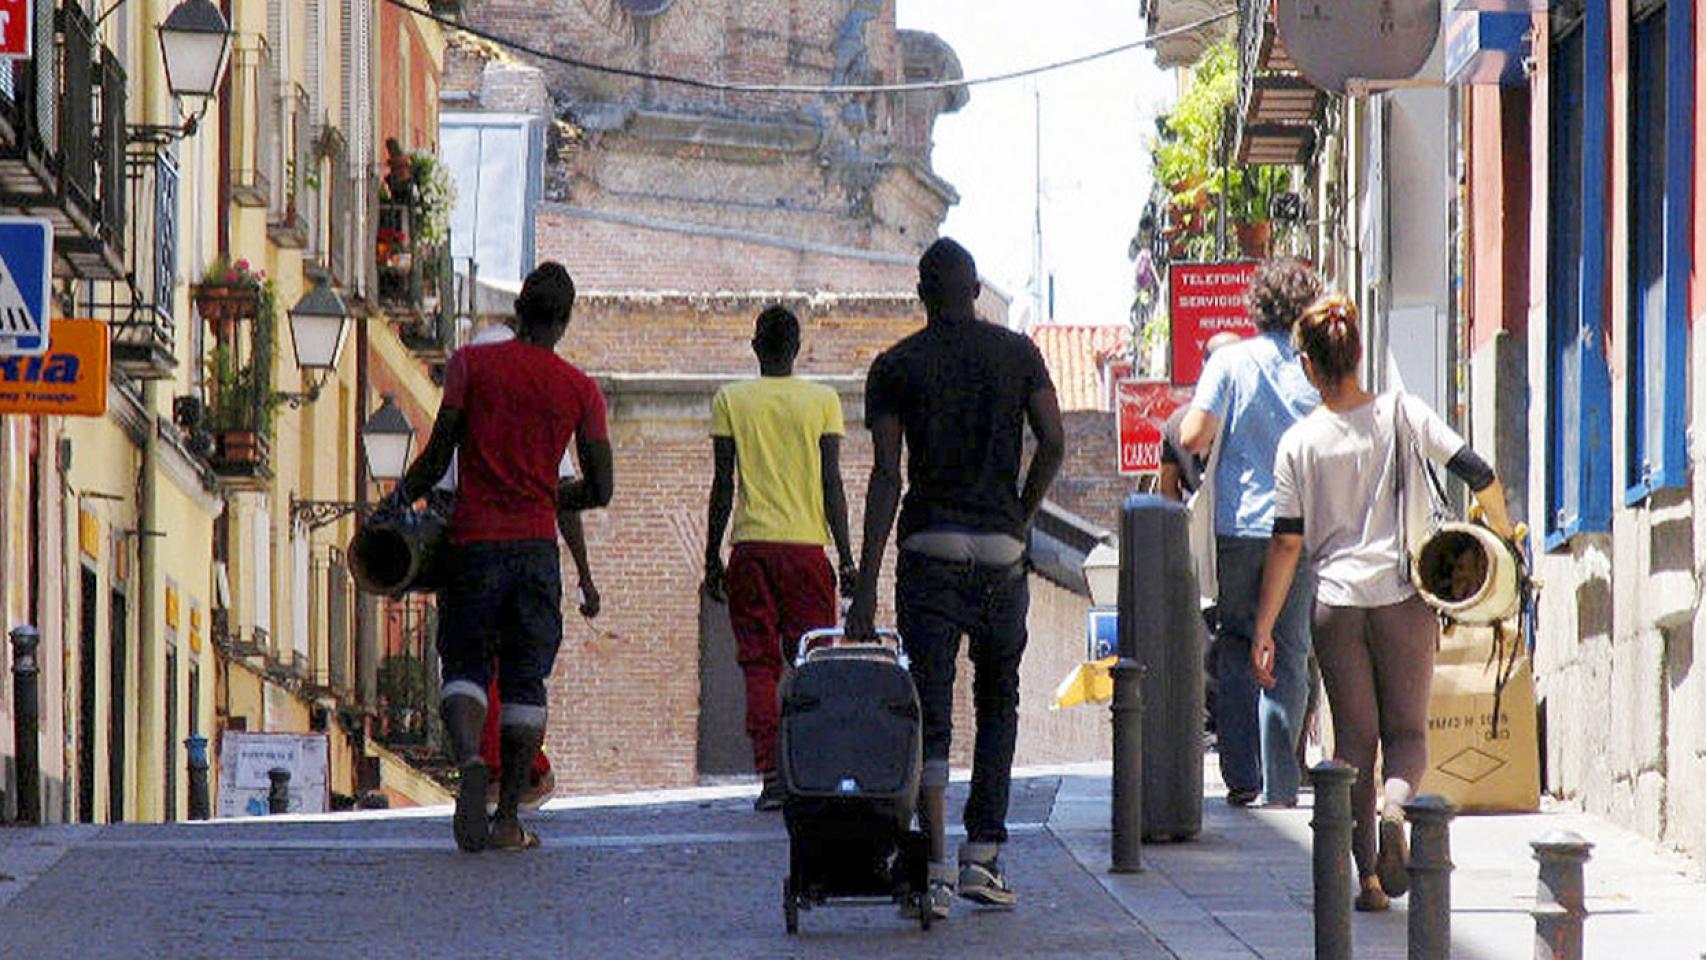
1251	393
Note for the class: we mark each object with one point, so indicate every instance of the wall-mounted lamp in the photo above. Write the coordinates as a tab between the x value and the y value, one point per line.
319	324
195	44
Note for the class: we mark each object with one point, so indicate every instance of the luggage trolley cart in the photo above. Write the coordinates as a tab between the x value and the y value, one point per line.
851	752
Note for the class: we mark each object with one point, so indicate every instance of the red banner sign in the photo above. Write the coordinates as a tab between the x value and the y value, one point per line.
16	34
1205	299
1143	408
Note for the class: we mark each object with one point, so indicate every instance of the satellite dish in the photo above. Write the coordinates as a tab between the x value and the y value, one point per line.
1332	41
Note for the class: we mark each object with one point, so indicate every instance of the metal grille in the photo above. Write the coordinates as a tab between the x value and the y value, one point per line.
254	128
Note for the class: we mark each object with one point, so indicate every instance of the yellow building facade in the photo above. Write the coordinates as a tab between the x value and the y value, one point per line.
181	555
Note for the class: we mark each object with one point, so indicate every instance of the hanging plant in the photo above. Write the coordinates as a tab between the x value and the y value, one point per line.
434	198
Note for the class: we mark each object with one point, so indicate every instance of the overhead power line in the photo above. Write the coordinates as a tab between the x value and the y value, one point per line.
806	88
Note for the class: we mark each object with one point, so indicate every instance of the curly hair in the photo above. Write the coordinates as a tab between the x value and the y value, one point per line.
1328	334
1279	291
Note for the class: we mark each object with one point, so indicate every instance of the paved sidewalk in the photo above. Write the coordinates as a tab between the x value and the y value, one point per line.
1243	889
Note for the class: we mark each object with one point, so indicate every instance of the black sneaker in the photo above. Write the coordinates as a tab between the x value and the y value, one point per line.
1242	798
771	796
983	883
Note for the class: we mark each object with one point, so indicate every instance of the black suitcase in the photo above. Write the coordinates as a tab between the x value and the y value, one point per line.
850	756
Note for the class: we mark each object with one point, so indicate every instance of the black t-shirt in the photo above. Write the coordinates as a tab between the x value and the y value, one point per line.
1189	465
960	391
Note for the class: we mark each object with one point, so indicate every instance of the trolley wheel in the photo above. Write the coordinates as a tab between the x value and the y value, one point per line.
790	906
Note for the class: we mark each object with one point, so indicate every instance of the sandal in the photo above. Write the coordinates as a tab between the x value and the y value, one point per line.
518	838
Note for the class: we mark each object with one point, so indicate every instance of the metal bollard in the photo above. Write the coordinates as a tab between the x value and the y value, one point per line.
1430	876
278	795
27	721
1560	903
195	745
1332	849
1128	766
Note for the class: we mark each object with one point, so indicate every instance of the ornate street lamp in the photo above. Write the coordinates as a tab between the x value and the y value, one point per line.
319	324
388	438
195	44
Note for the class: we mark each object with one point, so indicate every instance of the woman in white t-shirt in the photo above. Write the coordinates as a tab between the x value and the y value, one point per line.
1336	497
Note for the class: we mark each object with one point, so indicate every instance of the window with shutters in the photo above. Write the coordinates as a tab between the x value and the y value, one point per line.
1578	381
1660	248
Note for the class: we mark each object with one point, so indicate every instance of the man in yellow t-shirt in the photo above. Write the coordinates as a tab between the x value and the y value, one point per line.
782	435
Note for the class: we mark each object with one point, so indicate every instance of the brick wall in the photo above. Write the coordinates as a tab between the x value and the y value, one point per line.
1089	483
625	691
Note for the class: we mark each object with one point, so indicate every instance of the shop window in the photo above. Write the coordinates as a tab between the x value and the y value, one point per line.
1578	381
1660	256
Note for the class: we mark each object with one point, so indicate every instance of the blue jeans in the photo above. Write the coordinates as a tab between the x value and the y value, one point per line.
1258	729
938	601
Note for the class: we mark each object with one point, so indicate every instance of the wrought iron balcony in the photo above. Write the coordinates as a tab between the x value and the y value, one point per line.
239	414
1277	108
140	314
419	285
62	141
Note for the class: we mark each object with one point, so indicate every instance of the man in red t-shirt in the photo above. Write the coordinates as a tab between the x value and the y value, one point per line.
509	411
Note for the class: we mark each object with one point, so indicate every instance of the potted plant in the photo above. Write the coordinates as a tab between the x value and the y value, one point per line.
229	291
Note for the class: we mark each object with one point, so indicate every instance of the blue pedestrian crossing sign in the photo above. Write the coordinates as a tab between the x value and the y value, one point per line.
26	271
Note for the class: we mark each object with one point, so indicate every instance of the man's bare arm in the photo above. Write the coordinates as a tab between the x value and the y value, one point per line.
1043	412
835	507
721	504
1197	430
882	500
447	433
597	482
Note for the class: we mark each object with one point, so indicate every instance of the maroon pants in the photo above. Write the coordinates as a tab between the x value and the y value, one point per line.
777	591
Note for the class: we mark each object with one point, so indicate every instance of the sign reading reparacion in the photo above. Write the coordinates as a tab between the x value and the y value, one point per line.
69	380
1205	299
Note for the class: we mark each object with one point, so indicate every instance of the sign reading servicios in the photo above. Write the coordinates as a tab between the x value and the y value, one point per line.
26	255
69	379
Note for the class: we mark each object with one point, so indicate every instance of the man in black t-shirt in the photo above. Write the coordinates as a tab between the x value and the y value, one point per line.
958	395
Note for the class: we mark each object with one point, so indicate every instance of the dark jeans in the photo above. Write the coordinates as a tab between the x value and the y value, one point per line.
1256	729
938	601
505	601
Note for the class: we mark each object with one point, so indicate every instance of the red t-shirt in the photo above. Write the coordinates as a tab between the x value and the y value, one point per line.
523	404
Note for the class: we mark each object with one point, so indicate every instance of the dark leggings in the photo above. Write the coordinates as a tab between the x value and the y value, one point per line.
1378	664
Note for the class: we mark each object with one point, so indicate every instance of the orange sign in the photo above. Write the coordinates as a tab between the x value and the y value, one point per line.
70	380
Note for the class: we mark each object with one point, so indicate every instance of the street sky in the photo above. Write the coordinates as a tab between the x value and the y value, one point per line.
1095	123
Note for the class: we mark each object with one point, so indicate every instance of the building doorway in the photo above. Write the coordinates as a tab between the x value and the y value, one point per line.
86	673
119	614
724	749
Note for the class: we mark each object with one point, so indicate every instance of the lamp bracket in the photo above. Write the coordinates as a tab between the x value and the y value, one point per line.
314	514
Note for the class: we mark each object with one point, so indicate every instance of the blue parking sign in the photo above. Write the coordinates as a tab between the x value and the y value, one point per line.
1102	627
26	270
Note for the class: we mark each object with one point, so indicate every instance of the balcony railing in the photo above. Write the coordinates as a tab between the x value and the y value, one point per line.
1277	108
255	160
240	403
419	284
62	137
144	331
293	207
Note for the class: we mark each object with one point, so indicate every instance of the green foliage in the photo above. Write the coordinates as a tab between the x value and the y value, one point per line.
1188	162
241	391
435	198
408	681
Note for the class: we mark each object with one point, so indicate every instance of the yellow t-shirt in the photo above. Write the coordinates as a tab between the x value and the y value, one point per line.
776	423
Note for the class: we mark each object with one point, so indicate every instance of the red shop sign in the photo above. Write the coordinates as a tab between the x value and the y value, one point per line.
1204	299
1143	408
